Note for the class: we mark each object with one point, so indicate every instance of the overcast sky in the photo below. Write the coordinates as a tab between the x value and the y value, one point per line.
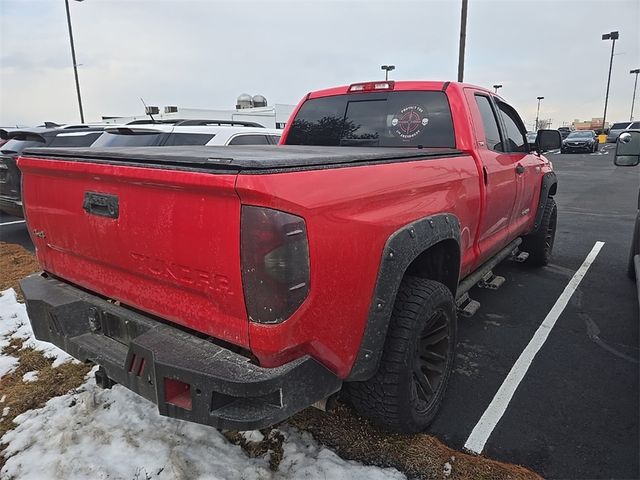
202	54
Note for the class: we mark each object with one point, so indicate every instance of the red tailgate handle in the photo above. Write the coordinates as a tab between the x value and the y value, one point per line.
101	204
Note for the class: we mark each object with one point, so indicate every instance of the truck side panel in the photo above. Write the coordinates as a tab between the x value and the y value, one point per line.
168	244
350	213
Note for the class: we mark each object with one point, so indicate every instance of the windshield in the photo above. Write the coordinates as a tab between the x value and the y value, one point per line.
619	126
17	146
385	119
138	139
585	134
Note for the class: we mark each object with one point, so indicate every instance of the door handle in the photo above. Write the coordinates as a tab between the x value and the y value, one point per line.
519	169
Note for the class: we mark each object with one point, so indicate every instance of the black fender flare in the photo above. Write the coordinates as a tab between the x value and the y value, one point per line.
400	250
548	188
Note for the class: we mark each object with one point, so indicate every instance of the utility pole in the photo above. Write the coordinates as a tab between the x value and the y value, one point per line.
609	36
635	85
538	113
463	39
73	57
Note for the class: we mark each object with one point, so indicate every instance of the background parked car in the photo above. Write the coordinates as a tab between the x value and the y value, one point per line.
565	131
19	139
616	129
188	132
580	141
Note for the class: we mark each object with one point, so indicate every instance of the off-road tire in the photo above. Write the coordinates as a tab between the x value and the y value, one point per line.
393	398
539	244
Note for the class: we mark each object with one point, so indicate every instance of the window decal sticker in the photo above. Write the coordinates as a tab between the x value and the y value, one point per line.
409	122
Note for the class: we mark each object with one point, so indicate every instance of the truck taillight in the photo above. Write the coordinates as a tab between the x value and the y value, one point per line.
371	86
275	263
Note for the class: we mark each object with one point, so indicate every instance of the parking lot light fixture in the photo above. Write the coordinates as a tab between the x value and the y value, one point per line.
635	85
538	112
609	36
496	87
73	58
387	69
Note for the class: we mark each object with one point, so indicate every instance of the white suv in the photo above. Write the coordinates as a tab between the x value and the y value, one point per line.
188	132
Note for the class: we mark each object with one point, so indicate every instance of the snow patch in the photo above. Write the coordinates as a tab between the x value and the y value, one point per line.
134	441
253	436
30	376
14	323
447	469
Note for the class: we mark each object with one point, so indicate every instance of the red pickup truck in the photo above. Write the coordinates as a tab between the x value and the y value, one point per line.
235	286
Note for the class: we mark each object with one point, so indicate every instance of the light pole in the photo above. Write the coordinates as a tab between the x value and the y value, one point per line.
538	112
73	57
463	39
387	69
635	85
609	36
496	87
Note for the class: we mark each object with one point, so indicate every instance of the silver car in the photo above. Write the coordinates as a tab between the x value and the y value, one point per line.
616	129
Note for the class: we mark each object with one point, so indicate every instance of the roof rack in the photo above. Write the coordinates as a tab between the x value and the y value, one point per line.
234	123
151	122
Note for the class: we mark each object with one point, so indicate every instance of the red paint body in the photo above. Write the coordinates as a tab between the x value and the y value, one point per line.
174	251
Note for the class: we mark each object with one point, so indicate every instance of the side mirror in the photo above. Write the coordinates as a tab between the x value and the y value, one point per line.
548	140
628	149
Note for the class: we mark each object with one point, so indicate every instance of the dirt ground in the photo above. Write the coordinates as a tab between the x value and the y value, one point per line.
418	456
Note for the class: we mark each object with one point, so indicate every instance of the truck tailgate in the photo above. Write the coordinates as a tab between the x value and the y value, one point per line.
164	241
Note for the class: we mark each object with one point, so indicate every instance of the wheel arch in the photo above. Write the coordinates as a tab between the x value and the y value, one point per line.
548	188
428	248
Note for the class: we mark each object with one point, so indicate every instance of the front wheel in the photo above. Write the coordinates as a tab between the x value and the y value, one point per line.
407	390
539	244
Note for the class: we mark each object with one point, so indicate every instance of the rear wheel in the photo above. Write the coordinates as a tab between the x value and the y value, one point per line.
539	244
408	388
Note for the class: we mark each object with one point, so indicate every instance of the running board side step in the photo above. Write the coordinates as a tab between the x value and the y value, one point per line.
484	278
466	306
465	285
491	281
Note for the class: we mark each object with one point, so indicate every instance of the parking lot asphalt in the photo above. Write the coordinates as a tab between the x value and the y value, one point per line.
575	413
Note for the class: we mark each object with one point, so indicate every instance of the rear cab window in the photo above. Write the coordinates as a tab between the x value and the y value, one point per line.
492	136
381	119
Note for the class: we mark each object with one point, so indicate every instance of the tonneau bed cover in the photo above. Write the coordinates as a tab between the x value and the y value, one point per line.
239	158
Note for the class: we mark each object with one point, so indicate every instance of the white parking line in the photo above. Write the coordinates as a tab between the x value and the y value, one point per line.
12	223
492	415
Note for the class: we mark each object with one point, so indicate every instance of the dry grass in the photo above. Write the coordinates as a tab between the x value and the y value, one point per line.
15	263
272	445
21	396
418	456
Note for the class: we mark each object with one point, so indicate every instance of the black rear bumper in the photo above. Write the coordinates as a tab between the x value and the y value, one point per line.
188	377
